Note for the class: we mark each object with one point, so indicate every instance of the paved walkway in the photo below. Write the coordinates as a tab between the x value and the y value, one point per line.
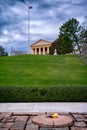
19	116
44	107
24	121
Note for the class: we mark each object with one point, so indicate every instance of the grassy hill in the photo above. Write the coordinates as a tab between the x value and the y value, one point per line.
29	78
35	70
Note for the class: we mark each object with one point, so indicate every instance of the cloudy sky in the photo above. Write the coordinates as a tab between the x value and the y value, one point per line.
45	18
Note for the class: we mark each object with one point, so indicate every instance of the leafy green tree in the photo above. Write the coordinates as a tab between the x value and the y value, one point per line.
84	41
61	46
70	33
55	45
2	52
66	45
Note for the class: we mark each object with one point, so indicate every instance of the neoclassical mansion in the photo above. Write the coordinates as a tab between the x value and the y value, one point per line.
41	47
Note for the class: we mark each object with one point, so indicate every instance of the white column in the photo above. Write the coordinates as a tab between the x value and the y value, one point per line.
44	51
47	50
35	51
39	51
32	51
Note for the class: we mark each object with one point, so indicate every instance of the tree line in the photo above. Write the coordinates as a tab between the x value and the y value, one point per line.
2	52
72	37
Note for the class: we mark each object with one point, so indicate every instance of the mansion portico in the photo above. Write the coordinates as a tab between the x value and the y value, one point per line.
41	47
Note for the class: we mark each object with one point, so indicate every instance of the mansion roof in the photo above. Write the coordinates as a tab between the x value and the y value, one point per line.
41	42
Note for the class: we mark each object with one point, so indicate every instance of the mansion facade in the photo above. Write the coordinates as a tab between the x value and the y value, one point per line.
41	47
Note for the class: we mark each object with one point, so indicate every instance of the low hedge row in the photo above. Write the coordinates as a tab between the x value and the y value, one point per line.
47	94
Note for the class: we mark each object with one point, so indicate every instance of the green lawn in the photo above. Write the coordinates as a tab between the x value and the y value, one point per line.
32	70
29	78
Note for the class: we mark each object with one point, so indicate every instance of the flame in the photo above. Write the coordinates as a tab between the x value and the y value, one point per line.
55	115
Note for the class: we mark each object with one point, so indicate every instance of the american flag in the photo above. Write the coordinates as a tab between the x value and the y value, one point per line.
30	7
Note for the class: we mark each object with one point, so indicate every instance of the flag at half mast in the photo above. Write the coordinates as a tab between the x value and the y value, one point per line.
30	7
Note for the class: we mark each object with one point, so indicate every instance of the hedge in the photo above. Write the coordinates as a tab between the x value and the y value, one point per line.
47	94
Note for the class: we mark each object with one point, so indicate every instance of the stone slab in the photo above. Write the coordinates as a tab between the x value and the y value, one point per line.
80	124
46	121
18	126
1	124
32	127
77	128
66	128
22	119
62	121
7	125
29	122
78	116
4	128
41	120
44	107
4	114
10	121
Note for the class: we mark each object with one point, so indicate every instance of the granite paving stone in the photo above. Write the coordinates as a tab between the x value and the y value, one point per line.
18	126
82	120
80	124
62	121
24	121
85	116
8	119
47	121
29	122
7	125
66	128
1	124
4	128
41	120
4	114
28	113
78	116
77	128
32	127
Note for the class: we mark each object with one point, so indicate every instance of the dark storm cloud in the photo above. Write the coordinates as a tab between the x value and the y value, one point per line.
46	17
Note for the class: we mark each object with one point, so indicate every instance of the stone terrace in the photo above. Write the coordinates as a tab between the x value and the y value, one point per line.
23	121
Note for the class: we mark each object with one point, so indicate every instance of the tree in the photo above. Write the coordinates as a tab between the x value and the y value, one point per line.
55	45
2	52
66	45
84	40
70	33
61	46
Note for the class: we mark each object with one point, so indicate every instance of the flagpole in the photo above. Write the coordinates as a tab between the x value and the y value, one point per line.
29	28
29	8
